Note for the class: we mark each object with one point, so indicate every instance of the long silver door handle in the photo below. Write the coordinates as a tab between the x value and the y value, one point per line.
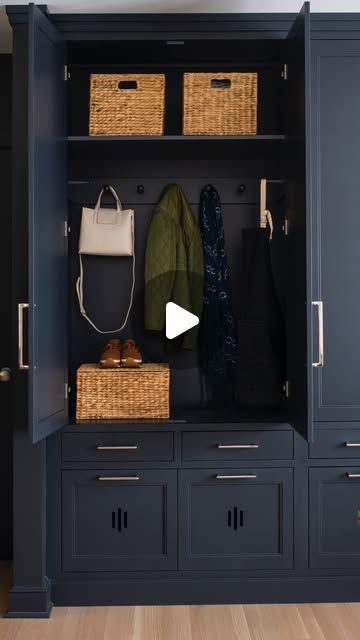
352	444
237	446
21	307
319	304
125	447
112	478
353	475
249	476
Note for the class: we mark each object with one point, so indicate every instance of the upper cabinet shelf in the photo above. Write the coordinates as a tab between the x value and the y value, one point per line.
165	138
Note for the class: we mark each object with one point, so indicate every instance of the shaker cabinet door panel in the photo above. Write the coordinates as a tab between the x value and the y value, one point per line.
335	518
336	231
236	519
47	212
119	520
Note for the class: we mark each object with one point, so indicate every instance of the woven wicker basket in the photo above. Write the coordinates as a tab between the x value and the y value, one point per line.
126	104
220	104
122	393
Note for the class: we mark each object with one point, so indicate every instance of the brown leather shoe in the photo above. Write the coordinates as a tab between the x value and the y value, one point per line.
130	354
111	356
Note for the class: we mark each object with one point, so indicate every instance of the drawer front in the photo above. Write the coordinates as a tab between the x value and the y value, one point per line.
236	519
335	517
117	447
119	520
334	443
238	445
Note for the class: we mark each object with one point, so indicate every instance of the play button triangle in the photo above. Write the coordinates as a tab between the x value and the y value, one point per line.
178	320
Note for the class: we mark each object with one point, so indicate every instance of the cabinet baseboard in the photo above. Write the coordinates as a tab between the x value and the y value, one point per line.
235	591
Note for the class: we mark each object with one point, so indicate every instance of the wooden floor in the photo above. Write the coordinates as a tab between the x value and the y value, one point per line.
231	622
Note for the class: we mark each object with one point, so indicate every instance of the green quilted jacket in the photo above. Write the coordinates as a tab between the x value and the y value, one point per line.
174	263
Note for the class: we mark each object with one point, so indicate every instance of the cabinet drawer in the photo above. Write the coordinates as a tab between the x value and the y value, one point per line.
334	443
237	445
335	517
236	519
117	447
119	520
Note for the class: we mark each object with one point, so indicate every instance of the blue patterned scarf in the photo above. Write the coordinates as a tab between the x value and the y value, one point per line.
218	345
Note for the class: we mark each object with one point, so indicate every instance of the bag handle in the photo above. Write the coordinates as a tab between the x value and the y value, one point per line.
116	198
80	292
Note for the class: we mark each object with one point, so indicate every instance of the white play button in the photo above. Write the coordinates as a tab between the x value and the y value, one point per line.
178	320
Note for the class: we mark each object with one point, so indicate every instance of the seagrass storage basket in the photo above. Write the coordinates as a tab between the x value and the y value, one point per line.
126	104
220	104
104	394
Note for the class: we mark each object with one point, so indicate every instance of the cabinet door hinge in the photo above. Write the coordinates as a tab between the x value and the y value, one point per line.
284	73
286	227
66	73
66	229
286	388
67	391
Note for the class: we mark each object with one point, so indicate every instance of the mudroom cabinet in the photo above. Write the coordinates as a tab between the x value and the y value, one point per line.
237	503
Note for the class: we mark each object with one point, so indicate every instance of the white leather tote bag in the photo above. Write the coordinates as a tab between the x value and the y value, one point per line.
106	232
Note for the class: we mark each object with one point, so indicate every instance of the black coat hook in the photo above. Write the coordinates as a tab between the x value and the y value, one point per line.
140	189
106	188
242	188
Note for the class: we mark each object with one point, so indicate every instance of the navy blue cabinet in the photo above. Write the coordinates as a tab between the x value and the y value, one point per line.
47	215
336	258
119	520
187	530
236	518
335	518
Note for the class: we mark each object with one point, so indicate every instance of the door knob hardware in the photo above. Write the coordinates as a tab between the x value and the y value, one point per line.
320	362
352	444
21	307
5	374
353	476
237	446
125	447
117	478
249	476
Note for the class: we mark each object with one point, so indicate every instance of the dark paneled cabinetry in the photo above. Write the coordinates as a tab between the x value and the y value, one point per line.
336	259
235	503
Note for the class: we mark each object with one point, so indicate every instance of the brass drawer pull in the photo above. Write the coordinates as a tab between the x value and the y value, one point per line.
237	446
320	362
352	444
353	475
120	447
250	476
111	478
21	307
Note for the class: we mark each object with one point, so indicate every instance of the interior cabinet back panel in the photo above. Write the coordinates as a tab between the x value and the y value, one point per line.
107	280
336	161
119	525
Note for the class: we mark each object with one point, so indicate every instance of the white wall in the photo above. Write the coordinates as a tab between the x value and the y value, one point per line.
174	6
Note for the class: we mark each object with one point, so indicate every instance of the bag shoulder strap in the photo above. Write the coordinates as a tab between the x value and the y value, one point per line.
80	293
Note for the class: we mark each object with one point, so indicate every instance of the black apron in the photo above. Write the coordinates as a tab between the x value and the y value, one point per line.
261	327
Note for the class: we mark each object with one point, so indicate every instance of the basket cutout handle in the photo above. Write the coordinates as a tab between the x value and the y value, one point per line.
127	84
220	83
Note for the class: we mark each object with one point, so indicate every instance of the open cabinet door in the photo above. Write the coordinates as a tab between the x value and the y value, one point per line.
298	214
47	243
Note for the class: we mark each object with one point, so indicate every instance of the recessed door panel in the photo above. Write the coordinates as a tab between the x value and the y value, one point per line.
236	519
119	520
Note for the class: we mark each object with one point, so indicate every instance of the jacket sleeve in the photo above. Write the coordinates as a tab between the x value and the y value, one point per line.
160	264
